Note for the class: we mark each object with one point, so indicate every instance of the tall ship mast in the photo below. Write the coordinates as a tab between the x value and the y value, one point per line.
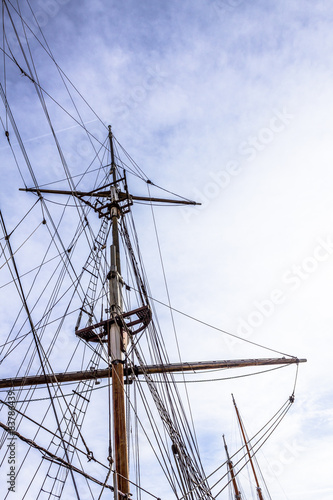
89	392
237	494
248	451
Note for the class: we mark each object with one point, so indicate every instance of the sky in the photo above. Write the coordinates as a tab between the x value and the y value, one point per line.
227	102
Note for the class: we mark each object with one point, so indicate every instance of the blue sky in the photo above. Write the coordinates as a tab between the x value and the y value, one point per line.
230	103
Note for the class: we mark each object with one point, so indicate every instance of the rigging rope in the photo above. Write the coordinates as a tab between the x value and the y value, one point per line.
54	457
220	329
39	348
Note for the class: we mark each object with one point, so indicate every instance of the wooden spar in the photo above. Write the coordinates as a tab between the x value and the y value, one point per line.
106	194
232	473
248	451
54	378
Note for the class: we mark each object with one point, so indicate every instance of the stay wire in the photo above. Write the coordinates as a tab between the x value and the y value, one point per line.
167	191
32	172
221	379
179	414
82	438
10	144
145	178
18	137
88	452
38	347
133	169
163	447
31	271
39	326
65	253
23	218
172	426
48	453
221	330
259	447
146	380
12	273
58	67
63	77
167	468
4	60
52	58
24	415
81	175
78	449
22	244
285	405
151	418
278	416
140	171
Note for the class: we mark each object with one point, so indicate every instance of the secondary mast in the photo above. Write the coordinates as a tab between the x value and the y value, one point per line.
232	473
259	492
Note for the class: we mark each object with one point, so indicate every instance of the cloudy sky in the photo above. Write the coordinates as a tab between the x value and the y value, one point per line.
227	102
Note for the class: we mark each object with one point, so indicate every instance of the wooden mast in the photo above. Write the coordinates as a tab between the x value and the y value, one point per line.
116	342
248	450
232	473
